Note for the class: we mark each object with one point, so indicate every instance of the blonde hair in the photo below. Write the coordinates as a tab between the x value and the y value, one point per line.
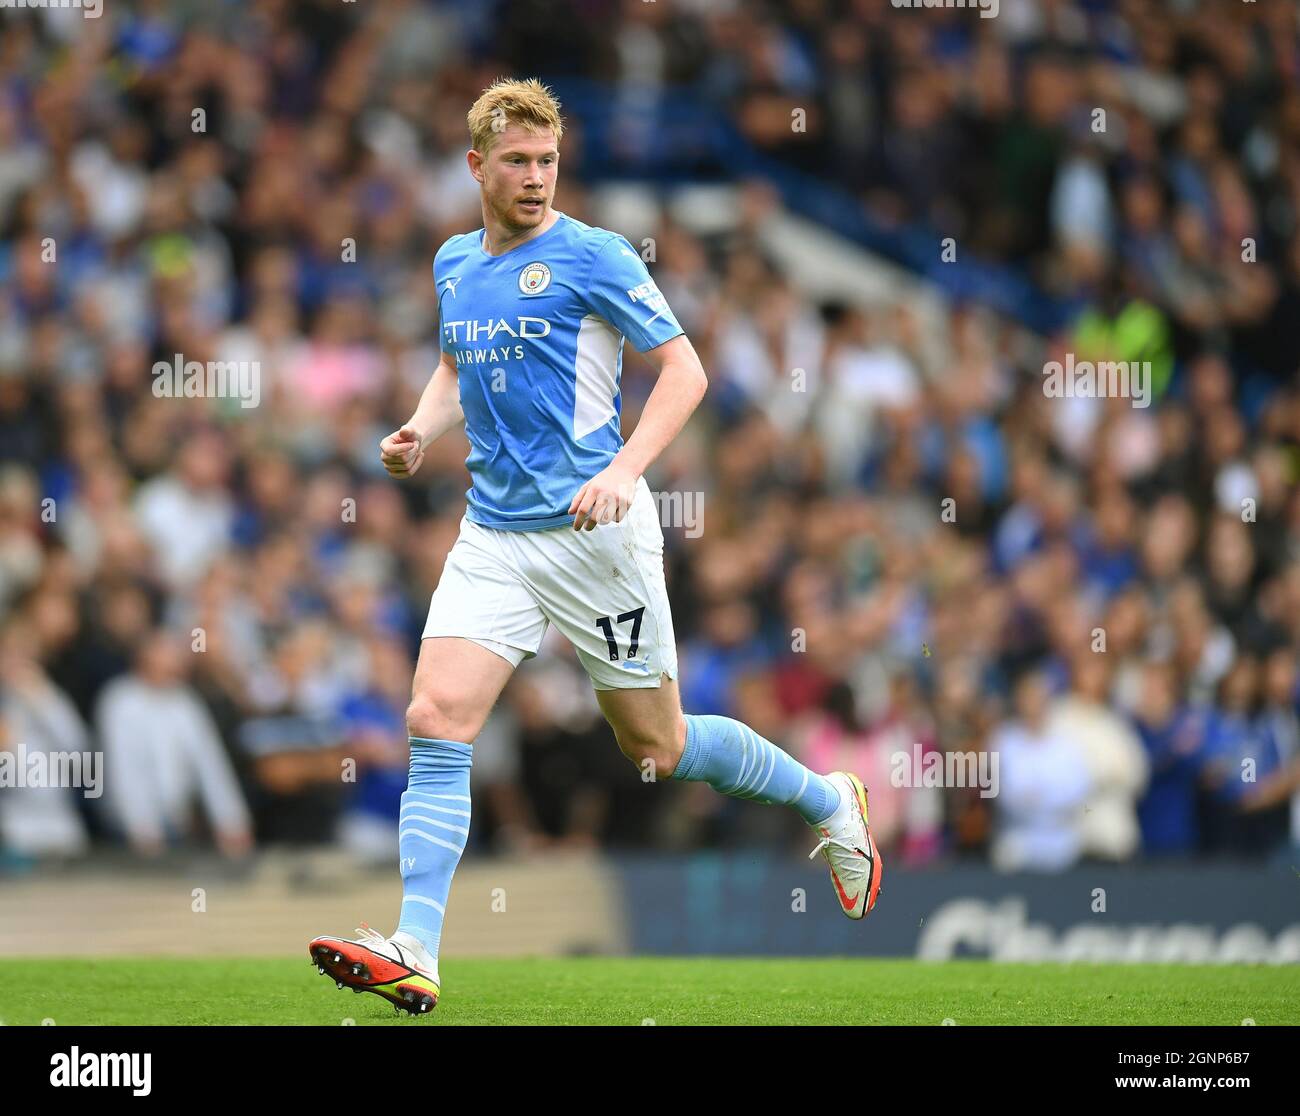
528	103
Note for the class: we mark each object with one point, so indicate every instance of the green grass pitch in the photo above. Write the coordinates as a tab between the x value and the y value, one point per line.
630	991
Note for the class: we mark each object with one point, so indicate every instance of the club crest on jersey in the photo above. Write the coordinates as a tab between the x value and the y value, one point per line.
534	279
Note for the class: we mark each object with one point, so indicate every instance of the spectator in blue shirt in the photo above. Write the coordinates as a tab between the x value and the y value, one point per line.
1173	736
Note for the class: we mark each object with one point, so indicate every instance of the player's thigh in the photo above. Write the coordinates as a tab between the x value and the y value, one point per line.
482	595
457	682
483	621
604	590
647	723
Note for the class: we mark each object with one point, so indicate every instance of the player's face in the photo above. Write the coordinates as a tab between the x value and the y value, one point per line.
519	177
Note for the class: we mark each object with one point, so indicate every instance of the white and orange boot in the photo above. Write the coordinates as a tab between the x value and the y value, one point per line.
400	971
846	844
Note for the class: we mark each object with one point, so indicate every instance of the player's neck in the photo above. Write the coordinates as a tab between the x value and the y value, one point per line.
498	240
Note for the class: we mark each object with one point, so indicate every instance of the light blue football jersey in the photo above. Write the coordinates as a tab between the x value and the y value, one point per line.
537	335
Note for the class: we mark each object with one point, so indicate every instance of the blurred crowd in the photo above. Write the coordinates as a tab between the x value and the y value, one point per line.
910	548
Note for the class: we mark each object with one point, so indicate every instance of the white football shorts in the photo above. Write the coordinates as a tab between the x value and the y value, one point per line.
603	589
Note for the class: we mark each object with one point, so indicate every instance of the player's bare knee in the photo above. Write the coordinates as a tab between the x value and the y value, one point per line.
434	716
657	753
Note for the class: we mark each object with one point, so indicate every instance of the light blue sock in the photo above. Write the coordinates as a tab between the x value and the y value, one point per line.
734	759
432	828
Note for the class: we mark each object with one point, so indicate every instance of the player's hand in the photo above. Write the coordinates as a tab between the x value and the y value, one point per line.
604	499
401	452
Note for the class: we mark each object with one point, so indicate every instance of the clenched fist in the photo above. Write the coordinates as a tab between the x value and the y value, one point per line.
401	452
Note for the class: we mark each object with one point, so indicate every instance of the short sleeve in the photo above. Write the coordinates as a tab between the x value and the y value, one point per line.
440	291
622	292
